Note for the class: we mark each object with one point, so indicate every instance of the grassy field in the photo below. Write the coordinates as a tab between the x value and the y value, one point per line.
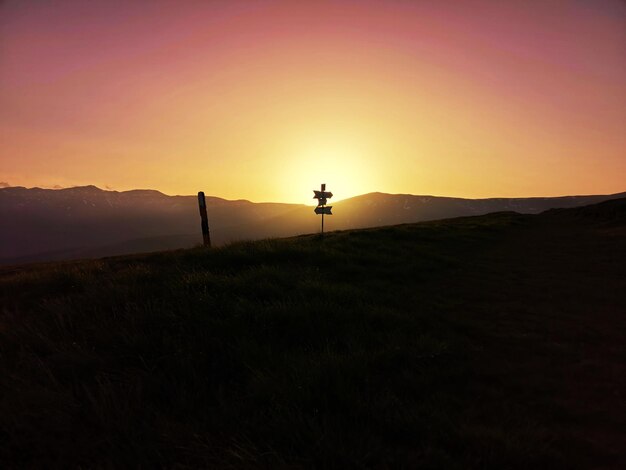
484	342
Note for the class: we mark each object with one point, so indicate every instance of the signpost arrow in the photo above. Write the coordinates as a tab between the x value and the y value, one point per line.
322	194
324	210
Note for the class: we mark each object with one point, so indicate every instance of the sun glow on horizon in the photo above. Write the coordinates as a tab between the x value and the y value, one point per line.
341	163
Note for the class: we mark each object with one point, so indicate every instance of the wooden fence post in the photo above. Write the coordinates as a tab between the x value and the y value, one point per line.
206	236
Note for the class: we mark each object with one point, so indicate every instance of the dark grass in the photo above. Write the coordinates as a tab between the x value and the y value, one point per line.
493	341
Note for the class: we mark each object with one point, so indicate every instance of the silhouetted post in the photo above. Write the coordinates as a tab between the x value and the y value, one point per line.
322	221
322	198
206	236
323	188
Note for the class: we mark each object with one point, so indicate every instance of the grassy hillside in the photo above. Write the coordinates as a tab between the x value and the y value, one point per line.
88	222
493	341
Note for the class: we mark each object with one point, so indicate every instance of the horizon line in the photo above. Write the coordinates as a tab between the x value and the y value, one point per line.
106	189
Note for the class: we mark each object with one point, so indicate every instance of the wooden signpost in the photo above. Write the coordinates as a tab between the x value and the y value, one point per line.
322	198
206	236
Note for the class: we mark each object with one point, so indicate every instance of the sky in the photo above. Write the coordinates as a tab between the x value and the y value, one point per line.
265	100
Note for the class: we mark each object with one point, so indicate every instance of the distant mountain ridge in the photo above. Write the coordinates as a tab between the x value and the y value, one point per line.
86	221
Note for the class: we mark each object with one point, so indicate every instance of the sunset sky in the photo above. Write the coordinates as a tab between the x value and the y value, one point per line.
266	100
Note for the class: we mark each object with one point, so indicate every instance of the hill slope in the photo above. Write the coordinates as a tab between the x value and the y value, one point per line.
47	225
492	341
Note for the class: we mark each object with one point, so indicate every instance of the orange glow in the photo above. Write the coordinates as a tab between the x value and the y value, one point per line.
266	100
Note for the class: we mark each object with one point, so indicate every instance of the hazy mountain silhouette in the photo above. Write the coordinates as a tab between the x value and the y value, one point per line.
44	224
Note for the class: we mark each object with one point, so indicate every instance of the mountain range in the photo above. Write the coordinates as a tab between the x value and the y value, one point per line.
84	222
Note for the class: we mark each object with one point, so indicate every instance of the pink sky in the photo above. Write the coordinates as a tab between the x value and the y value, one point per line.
263	100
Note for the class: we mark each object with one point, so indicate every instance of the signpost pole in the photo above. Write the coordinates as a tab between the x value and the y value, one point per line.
206	236
323	188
